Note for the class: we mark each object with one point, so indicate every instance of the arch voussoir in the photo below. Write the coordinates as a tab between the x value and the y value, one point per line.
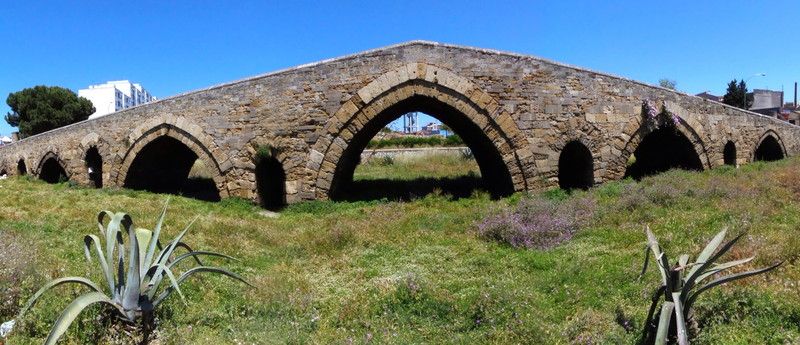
400	85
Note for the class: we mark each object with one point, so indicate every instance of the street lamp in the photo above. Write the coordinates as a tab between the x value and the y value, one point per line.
744	97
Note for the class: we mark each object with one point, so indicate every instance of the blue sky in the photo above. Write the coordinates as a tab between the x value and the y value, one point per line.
171	47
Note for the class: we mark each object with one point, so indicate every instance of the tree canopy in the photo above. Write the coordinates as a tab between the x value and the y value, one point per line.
667	83
736	93
42	108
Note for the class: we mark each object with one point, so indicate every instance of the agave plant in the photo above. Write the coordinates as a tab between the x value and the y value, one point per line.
134	293
681	285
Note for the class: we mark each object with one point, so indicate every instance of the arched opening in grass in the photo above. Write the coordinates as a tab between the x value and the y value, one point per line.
22	169
94	167
270	179
769	150
729	154
402	176
53	172
575	167
166	165
662	150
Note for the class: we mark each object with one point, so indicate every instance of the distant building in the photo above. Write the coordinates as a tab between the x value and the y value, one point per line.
115	95
432	127
709	96
767	102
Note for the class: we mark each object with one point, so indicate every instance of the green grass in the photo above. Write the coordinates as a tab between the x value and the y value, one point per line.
415	272
432	165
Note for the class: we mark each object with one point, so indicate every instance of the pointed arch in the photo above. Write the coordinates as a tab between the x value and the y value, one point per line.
690	151
174	137
769	147
52	169
499	145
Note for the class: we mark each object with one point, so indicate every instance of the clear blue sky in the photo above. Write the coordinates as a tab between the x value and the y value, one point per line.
171	47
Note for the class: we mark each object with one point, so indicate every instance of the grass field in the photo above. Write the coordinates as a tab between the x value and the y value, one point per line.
418	272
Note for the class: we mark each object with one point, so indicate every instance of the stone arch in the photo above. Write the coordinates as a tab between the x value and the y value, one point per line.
575	166
637	131
431	89
271	164
22	168
94	166
177	135
729	154
51	168
100	172
769	147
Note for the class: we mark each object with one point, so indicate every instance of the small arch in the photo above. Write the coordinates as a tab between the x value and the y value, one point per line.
270	179
3	172
661	150
769	148
575	167
94	167
51	170
22	169
729	153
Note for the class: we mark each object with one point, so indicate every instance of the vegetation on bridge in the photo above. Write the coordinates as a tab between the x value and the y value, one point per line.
421	272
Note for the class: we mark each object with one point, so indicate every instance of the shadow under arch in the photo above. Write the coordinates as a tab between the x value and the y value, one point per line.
663	149
495	176
159	161
94	167
270	179
51	169
575	166
770	148
22	169
729	154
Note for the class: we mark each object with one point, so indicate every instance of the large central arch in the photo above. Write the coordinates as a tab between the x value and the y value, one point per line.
497	143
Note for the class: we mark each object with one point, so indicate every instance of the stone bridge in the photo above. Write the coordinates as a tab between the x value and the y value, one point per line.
296	134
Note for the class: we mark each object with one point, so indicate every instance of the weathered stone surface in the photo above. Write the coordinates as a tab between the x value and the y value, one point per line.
528	108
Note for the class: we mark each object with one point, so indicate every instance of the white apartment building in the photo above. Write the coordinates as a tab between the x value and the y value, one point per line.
115	95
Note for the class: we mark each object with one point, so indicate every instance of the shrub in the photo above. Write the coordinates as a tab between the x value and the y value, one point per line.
536	222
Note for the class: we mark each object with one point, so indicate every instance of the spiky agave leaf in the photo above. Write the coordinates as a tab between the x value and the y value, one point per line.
151	283
165	254
56	282
691	280
90	240
130	296
693	296
143	238
73	310
192	271
721	267
680	322
153	243
155	281
707	251
652	245
199	253
663	323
